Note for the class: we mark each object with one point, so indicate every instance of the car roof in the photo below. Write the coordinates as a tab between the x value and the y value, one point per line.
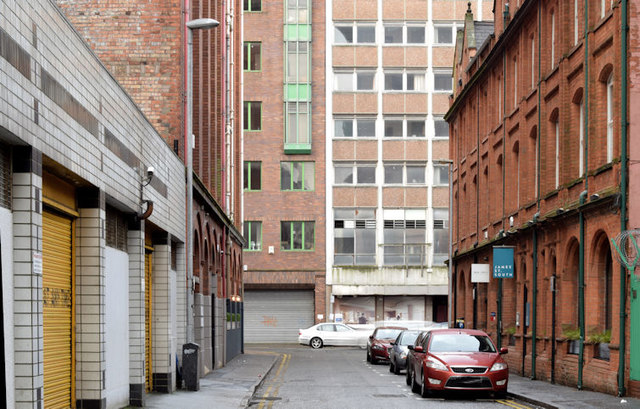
457	331
402	328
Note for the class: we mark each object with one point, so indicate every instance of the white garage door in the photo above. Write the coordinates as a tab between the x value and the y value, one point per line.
276	316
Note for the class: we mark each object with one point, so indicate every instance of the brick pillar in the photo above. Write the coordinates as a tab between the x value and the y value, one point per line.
27	242
90	299
163	354
135	245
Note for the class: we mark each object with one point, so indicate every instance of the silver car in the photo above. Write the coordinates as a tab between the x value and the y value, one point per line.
320	335
398	351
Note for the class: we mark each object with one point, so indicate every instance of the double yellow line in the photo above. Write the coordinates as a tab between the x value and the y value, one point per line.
513	404
275	383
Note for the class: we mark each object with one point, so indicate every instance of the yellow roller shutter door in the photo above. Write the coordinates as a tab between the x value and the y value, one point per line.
147	321
58	311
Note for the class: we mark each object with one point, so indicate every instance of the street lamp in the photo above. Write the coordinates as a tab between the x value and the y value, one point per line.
198	24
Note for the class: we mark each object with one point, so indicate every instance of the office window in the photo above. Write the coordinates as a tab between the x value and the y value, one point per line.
348	173
441	128
297	61
297	12
252	5
404	81
297	235
298	123
399	127
297	176
405	237
404	34
354	236
415	34
409	174
393	35
610	118
442	81
358	80
393	81
252	232
358	34
440	235
440	175
443	34
252	56
252	116
355	127
252	175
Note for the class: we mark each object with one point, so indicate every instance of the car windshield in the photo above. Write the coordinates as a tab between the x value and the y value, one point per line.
387	333
461	343
408	338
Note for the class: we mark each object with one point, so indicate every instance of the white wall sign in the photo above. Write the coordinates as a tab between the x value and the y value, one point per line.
480	273
37	263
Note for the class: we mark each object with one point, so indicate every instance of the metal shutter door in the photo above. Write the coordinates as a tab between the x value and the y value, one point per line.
57	311
276	316
148	376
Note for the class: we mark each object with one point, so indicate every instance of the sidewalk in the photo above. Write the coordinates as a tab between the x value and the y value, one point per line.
229	387
551	396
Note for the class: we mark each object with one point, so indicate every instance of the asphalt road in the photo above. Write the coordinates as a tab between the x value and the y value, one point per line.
340	377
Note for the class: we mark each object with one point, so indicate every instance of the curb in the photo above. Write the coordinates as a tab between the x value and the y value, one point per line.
530	400
247	398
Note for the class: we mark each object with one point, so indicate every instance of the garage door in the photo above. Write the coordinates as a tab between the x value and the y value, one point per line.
276	316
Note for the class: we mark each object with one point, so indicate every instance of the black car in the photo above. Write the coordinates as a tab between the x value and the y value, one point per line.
399	350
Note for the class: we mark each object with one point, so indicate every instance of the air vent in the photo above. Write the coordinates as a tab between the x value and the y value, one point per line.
5	176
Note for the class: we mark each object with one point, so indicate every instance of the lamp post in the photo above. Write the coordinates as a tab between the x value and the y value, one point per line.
449	164
198	24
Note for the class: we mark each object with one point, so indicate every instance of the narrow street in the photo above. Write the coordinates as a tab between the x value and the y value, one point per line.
342	378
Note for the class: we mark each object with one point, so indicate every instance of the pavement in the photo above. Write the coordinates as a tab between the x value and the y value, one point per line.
233	386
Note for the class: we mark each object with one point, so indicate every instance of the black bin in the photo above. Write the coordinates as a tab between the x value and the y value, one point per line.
190	353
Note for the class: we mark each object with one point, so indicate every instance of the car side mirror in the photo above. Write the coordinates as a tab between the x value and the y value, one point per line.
418	348
393	342
370	336
504	351
410	347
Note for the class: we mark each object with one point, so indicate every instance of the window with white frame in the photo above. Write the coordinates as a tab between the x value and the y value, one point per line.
404	33
575	22
443	34
440	175
398	127
404	173
581	147
553	39
441	128
297	61
404	237
356	80
355	34
405	81
440	235
354	127
298	126
355	173
442	81
354	236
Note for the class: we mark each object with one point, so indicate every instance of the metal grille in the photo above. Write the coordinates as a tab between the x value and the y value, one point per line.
116	229
474	369
471	382
5	176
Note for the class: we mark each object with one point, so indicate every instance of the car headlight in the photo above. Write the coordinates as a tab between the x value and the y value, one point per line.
498	366
435	364
378	347
403	355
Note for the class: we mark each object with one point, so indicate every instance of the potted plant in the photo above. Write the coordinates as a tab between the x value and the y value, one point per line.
601	341
511	331
572	334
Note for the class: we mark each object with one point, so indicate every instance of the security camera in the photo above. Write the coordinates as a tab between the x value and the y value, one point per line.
150	171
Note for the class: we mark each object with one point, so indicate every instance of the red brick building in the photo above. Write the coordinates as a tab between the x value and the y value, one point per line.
143	44
539	163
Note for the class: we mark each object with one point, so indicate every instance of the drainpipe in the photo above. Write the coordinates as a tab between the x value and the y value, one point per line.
623	190
583	196
535	294
504	152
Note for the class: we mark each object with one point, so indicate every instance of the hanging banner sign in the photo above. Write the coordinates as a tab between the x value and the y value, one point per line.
503	262
480	273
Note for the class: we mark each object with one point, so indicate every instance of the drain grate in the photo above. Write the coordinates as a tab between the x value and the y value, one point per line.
388	395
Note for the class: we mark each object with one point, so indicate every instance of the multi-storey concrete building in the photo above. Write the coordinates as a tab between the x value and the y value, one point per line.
284	167
88	239
540	162
144	46
389	69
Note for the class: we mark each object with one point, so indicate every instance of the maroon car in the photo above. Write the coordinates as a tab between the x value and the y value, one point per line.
456	359
379	343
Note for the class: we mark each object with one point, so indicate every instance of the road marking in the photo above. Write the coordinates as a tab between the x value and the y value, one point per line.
513	404
276	382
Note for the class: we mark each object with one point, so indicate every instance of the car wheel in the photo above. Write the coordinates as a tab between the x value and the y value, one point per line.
368	356
315	343
391	366
374	360
396	370
415	388
408	377
424	390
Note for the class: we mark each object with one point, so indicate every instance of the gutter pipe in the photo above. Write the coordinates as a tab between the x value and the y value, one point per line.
583	196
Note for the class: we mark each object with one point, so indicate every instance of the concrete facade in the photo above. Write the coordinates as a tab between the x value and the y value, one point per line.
388	80
537	147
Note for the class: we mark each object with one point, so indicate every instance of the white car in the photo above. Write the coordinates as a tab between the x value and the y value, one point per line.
332	334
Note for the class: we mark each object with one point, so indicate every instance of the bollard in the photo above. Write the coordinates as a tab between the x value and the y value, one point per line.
190	366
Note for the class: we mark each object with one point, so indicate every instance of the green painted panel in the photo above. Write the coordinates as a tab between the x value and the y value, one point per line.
297	32
297	148
635	328
297	92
